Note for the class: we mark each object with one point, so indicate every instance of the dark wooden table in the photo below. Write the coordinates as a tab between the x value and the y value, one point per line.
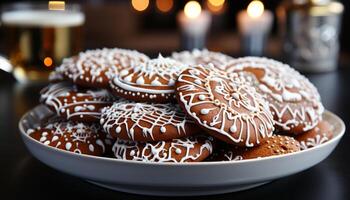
22	176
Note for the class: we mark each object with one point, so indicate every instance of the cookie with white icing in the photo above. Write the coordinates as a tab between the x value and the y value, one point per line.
203	57
275	145
293	100
225	105
322	133
152	81
188	149
134	121
95	68
77	104
76	137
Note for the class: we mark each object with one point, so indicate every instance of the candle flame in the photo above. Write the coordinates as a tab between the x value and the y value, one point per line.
192	9
255	9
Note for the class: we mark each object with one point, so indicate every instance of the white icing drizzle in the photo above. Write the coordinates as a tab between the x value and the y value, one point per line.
314	141
248	112
100	65
129	116
156	77
203	57
68	101
288	92
190	149
230	156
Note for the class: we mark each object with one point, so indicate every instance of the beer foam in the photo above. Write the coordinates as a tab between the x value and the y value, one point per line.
43	18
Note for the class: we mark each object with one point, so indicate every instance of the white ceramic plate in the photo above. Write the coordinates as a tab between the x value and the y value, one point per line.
176	179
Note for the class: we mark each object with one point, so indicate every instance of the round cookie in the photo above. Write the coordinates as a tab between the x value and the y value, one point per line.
188	149
316	136
293	100
152	81
225	105
129	120
202	57
275	145
76	137
77	104
95	68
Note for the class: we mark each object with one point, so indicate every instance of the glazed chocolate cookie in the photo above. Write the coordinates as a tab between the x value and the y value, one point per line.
316	136
202	57
95	68
75	104
152	81
72	136
188	149
275	145
224	105
293	100
129	120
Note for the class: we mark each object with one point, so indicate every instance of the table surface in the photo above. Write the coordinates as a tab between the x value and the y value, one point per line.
21	175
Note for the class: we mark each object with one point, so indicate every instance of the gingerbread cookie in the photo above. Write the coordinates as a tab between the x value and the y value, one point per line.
316	136
152	81
275	145
129	120
203	57
224	105
75	104
76	137
188	149
293	100
95	68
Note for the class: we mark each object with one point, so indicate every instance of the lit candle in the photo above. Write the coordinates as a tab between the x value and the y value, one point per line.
254	26
194	25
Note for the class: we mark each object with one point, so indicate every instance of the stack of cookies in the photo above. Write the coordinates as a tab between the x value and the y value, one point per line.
193	106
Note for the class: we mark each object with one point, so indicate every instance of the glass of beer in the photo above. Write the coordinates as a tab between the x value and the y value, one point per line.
37	39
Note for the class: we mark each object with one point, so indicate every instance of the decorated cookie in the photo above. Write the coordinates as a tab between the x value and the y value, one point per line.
152	81
275	145
188	149
203	57
95	68
293	100
73	136
224	105
129	120
316	136
76	104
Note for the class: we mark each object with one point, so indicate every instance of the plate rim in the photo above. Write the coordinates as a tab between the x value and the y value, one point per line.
185	164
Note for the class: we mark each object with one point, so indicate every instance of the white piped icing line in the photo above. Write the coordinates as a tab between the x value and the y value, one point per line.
288	92
97	67
203	57
188	149
73	136
68	101
313	142
144	120
236	111
152	79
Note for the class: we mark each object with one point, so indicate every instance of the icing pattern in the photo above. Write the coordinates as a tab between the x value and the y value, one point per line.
293	100
203	57
96	67
188	149
72	136
225	105
146	122
74	104
312	142
150	80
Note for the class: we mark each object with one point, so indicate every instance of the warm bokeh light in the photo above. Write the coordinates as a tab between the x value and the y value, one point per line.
215	6
48	62
57	5
216	3
192	9
164	5
140	5
255	9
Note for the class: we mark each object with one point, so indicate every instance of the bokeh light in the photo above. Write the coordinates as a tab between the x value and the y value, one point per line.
140	5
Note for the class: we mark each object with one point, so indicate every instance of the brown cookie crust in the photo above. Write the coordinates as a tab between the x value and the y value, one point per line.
224	105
